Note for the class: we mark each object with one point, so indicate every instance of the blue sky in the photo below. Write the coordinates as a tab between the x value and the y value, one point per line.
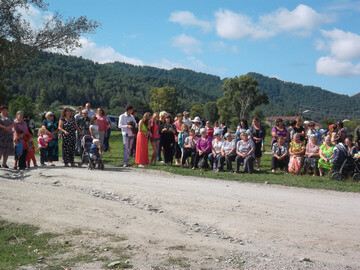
312	43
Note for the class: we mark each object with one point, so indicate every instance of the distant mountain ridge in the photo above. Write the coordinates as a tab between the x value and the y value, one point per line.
74	80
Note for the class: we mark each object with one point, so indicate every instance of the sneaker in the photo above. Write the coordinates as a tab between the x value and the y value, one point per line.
141	166
125	165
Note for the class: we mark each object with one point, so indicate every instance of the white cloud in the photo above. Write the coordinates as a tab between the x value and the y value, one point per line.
336	68
102	55
300	21
343	45
344	51
187	44
187	18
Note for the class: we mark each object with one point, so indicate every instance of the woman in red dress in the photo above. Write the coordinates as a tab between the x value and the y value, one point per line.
142	141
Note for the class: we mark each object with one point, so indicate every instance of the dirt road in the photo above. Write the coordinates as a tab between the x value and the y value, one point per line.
198	223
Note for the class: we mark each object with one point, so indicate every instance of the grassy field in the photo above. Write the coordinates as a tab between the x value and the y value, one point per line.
23	245
305	181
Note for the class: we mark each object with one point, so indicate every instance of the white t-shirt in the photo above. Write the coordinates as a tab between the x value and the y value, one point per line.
217	146
95	130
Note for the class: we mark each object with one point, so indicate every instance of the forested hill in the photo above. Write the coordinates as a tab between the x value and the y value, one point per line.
286	97
74	80
202	82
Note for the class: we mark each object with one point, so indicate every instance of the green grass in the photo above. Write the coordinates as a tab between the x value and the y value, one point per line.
23	245
20	244
279	178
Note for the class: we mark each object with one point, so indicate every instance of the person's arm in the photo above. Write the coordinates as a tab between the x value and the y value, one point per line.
123	123
252	149
46	131
91	132
78	129
61	124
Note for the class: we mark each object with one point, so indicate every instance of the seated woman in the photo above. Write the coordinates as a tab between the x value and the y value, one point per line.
215	150
245	151
296	151
203	148
326	153
350	146
280	153
312	155
227	153
340	154
189	148
279	130
244	126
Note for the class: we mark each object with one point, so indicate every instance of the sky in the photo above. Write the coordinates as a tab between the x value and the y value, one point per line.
312	42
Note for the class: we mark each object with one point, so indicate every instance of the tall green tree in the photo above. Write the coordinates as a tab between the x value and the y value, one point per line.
211	112
241	96
43	99
164	99
197	110
22	103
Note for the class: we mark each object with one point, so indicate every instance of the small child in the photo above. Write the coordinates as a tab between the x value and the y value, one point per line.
182	136
94	150
31	152
94	128
42	145
21	148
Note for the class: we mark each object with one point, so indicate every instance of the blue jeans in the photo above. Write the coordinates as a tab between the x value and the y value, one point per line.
213	158
128	142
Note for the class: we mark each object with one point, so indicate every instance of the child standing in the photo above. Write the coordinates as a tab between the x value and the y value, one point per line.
31	152
182	136
42	145
21	148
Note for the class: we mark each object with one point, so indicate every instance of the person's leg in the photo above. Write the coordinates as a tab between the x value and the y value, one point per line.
229	160
221	163
196	160
22	159
211	160
238	161
249	163
186	154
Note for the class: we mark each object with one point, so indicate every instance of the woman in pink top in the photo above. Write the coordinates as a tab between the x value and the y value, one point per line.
102	123
155	138
178	123
203	148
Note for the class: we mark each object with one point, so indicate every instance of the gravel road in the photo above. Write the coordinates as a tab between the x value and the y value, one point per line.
207	223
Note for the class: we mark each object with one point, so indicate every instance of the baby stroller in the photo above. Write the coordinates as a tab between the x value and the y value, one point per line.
86	143
350	166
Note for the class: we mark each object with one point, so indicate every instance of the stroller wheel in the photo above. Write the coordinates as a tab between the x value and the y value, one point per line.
337	176
356	177
101	165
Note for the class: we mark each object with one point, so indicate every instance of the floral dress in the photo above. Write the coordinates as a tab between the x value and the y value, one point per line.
52	149
296	161
6	137
69	141
327	152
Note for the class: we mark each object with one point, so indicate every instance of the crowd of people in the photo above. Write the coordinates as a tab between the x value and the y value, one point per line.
193	143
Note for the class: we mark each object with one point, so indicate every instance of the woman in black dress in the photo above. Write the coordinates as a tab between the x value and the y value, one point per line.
168	131
68	128
258	133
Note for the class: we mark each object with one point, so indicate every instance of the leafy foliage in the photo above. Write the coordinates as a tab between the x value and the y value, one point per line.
197	110
22	103
241	96
211	112
19	39
164	99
